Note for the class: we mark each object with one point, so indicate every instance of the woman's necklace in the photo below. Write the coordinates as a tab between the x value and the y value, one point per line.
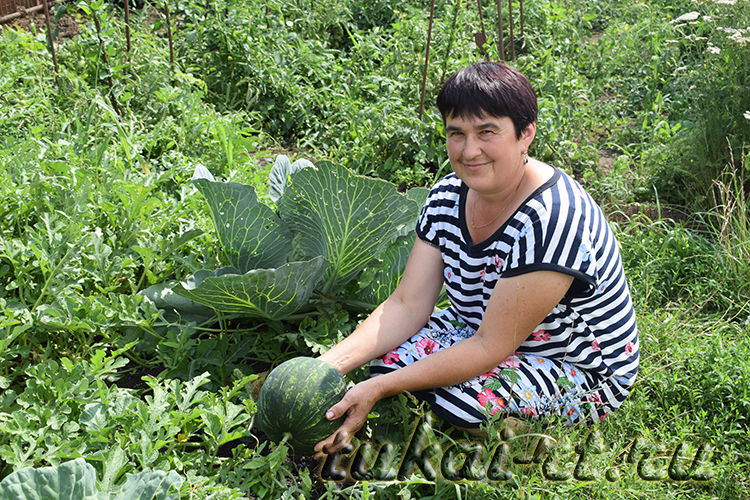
474	214
474	225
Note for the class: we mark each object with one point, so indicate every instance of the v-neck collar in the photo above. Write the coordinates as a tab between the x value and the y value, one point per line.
462	195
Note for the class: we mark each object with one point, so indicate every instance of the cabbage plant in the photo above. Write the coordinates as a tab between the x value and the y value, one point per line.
331	234
76	479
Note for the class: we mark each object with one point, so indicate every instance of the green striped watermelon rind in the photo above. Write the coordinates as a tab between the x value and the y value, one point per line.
294	399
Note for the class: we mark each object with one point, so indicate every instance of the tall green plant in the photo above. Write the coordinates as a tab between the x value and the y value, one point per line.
329	226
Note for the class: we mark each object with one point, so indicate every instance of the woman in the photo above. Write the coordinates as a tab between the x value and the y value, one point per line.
541	323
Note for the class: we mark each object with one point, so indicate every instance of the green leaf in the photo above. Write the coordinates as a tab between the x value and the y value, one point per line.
176	306
280	172
250	233
151	485
74	479
114	463
348	219
510	375
419	196
264	293
378	281
77	479
565	382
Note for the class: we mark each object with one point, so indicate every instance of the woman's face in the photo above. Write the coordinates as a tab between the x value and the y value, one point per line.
485	152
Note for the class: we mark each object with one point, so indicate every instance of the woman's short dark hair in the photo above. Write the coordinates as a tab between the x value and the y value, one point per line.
491	88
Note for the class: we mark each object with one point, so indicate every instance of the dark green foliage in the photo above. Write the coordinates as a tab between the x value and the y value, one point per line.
97	205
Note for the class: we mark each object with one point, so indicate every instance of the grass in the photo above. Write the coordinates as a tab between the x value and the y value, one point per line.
97	206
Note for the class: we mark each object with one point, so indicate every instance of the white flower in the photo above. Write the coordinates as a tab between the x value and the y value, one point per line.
690	16
747	114
712	49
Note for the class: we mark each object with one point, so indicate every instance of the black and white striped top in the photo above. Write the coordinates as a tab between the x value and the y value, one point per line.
558	227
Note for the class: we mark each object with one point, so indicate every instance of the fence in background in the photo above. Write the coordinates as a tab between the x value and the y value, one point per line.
13	9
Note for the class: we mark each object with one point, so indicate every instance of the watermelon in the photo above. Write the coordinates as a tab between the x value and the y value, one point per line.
294	399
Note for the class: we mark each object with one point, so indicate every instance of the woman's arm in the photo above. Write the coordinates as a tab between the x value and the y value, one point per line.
516	307
398	317
513	311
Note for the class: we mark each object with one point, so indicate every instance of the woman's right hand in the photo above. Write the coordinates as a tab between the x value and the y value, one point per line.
355	405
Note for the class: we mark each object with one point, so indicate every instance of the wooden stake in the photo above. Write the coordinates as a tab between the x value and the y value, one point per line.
169	36
106	63
50	41
127	26
450	41
426	59
500	41
510	25
481	38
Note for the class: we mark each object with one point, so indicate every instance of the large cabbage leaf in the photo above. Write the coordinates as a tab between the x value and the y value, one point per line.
381	277
76	479
346	218
263	293
251	234
176	307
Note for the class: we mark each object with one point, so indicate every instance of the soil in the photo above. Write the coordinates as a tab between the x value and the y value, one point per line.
66	26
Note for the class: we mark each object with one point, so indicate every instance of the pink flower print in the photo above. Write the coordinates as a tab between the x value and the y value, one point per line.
496	403
491	373
511	361
529	411
541	336
499	264
603	416
602	286
594	398
425	347
481	275
629	349
390	358
595	346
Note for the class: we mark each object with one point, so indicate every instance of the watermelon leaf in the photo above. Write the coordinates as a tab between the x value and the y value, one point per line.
262	293
343	217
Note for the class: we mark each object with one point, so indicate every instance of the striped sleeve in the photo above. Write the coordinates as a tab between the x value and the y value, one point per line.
556	233
440	211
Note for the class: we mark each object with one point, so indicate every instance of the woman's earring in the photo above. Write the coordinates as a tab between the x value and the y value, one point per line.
525	158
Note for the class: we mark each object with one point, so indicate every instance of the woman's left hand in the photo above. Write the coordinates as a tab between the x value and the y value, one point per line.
356	405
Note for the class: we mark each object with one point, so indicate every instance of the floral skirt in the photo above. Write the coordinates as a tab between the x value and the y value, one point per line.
523	385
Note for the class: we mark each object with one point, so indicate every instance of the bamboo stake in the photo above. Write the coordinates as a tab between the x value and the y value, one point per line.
520	4
500	41
426	59
49	38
